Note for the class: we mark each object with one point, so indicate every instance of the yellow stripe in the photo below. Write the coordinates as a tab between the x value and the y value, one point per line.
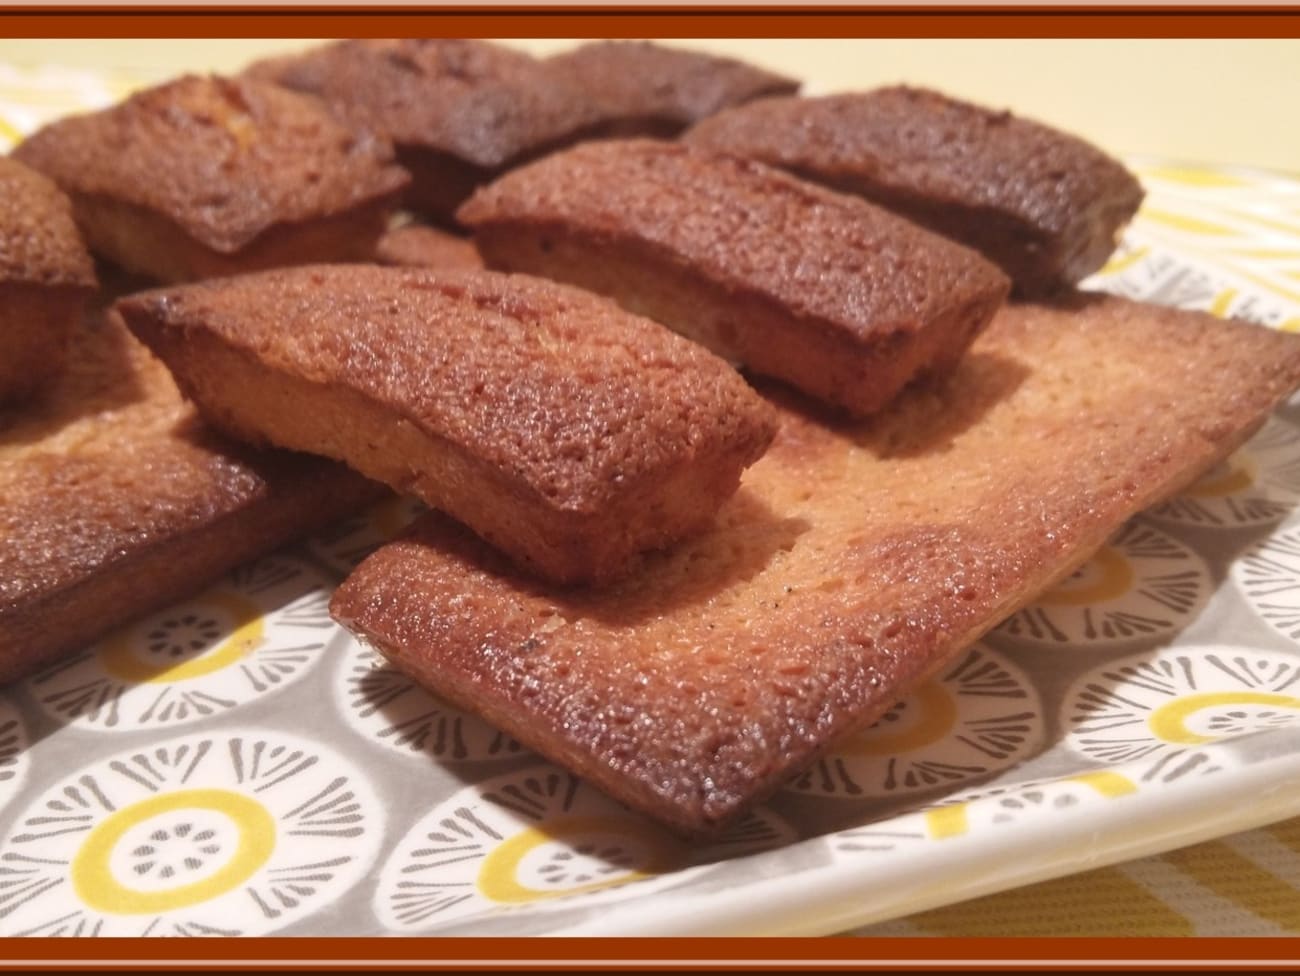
1290	325
10	132
1230	875
1102	902
1194	177
1290	227
1191	225
947	821
1222	301
1106	782
1268	253
1117	264
1270	285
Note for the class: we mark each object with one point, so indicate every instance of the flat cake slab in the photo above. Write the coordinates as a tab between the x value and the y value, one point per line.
856	560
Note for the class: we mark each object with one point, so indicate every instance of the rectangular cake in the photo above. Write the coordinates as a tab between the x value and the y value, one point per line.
856	559
460	111
559	427
46	278
117	500
842	300
1044	205
207	176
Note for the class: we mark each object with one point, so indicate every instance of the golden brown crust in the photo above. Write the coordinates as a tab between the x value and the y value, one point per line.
46	276
222	161
145	243
568	432
855	560
840	298
39	243
651	89
477	101
37	323
117	501
460	111
421	246
1046	206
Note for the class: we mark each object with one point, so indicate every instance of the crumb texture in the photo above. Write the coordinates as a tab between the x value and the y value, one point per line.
224	159
474	100
951	165
39	243
745	227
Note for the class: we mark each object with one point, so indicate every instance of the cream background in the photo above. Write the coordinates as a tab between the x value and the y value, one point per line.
1216	101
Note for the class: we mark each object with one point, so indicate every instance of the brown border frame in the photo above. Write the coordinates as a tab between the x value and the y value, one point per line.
892	21
644	954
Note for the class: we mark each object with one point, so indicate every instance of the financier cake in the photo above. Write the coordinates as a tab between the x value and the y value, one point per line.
856	559
1046	206
208	176
46	277
117	501
460	111
649	89
560	428
839	298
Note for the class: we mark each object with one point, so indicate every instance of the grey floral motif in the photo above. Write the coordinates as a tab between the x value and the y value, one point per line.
259	630
208	835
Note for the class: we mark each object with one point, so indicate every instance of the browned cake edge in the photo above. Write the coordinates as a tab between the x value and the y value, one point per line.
1039	260
240	395
146	242
811	354
300	496
1039	263
37	322
377	605
649	89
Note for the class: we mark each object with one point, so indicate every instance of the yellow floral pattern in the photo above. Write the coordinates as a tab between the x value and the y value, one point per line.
256	632
223	834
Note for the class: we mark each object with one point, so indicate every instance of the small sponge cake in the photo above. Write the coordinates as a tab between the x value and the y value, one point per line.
459	111
562	429
653	90
855	561
203	177
46	275
839	298
117	500
1046	206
